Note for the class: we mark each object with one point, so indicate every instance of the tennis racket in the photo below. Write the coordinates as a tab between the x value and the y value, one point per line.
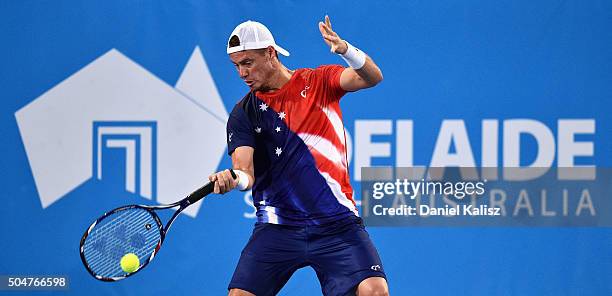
133	229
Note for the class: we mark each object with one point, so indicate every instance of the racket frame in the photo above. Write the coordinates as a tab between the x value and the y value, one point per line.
192	198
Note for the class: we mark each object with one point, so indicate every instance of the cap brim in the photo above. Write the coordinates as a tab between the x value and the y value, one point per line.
281	50
238	48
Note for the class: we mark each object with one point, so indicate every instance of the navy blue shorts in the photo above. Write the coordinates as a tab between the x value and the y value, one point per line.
341	253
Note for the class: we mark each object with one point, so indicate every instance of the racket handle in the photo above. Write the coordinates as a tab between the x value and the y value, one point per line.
204	190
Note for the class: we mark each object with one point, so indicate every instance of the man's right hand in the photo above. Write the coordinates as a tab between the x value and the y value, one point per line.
224	182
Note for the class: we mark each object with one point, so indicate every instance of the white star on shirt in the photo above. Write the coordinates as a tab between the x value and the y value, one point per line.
263	107
282	115
258	130
230	137
278	151
277	129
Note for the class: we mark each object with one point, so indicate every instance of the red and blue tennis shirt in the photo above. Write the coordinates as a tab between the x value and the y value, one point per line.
300	152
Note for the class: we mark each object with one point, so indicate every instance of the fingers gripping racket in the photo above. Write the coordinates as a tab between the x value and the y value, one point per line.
135	229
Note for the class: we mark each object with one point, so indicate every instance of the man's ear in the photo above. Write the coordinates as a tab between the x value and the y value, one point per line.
271	52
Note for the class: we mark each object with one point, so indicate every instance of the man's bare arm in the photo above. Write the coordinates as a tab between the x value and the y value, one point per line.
242	160
367	75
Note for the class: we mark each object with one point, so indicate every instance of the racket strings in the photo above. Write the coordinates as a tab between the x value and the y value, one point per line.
115	229
117	243
133	230
117	240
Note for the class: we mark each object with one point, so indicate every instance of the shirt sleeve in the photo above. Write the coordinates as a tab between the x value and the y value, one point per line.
330	76
239	130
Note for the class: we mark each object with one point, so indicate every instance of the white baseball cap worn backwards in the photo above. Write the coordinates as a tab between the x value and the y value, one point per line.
252	35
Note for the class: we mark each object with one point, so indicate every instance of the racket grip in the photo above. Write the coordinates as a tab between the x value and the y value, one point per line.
204	190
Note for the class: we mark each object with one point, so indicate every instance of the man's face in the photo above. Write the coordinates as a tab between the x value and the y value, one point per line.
254	67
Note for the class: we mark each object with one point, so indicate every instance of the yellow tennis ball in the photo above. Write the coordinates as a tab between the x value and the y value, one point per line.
130	262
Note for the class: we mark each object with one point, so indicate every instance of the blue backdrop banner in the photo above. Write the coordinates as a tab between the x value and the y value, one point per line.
107	103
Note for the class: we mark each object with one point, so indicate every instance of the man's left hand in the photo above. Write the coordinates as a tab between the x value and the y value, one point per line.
332	39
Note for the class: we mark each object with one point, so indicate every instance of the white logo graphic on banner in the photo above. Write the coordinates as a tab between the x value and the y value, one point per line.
138	140
171	137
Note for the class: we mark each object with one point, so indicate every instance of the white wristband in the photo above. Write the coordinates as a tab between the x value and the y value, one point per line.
354	57
243	180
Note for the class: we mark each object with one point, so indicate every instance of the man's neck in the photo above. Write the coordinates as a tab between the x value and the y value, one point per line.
279	79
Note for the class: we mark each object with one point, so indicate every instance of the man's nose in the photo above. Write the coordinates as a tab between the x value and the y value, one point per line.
243	72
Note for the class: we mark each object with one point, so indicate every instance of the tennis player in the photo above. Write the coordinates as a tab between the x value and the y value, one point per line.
287	144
